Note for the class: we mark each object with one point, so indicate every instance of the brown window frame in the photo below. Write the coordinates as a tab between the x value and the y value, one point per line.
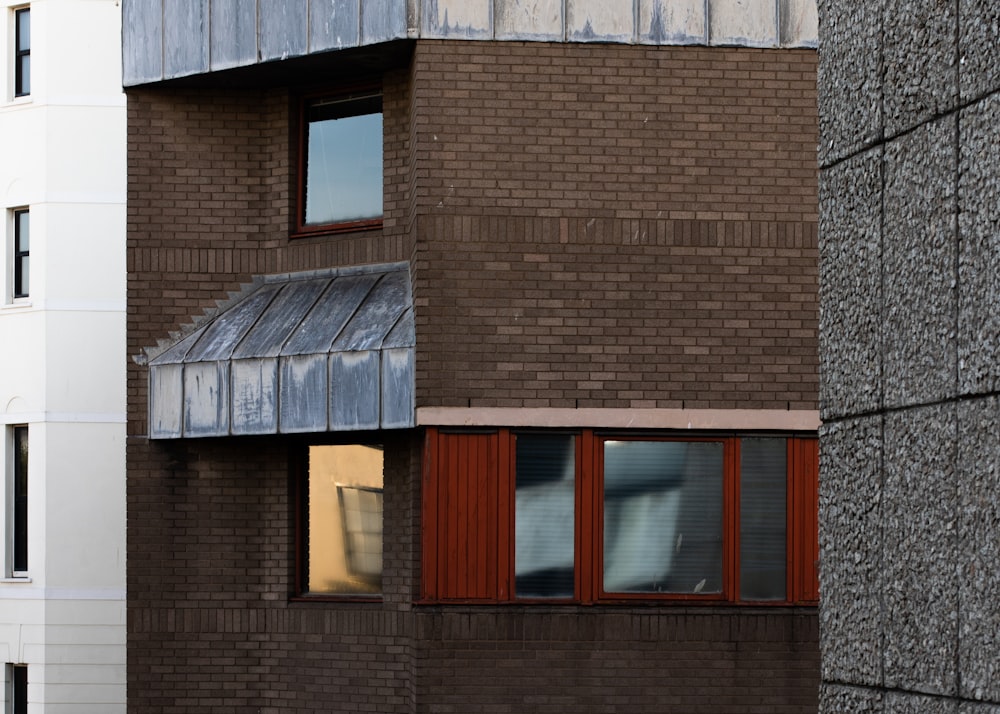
468	519
302	229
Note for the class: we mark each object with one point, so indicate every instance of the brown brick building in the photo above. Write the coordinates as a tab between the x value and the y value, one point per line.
536	434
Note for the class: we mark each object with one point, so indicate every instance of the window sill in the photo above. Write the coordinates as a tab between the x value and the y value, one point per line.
16	580
17	304
343	599
336	229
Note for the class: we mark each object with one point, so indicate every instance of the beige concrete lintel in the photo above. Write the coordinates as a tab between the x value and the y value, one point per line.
721	419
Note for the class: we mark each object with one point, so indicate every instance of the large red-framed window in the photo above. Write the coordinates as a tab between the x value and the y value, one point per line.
587	517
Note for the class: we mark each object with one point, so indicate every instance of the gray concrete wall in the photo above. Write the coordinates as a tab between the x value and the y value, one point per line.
910	334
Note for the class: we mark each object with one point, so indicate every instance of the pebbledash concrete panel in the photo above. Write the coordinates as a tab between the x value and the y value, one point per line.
979	258
979	48
920	62
309	352
851	551
850	78
914	703
208	35
851	304
919	253
842	699
920	571
979	548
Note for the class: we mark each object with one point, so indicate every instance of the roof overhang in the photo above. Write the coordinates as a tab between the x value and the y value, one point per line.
307	352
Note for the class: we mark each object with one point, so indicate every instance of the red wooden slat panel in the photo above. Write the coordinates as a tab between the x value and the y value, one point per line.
464	480
804	534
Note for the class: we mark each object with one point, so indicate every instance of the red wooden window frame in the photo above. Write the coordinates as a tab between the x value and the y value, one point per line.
303	229
468	519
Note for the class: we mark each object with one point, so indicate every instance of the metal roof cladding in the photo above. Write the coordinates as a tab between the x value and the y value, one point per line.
296	353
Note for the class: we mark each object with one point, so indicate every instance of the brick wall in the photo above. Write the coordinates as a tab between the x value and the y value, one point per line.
587	225
615	226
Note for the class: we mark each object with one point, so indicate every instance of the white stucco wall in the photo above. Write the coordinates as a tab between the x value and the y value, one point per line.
62	372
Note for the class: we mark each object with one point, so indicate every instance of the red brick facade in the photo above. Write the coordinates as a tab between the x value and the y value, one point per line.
587	226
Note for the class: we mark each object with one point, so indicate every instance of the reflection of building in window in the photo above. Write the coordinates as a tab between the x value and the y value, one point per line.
341	163
361	513
344	524
588	518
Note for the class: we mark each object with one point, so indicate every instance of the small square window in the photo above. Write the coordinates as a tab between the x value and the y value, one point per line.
343	521
341	163
22	52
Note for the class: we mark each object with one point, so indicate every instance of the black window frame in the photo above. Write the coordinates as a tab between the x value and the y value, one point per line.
22	53
21	253
361	100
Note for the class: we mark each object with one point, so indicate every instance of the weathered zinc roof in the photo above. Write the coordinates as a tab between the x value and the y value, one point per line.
303	352
167	39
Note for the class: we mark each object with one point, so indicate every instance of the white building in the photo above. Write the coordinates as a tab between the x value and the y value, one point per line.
62	341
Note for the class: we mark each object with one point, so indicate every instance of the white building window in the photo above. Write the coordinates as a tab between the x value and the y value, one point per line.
22	52
17	501
16	689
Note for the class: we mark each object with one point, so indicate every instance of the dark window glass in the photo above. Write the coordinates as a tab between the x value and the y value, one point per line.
663	520
344	528
343	161
19	688
22	52
763	478
20	529
544	516
22	245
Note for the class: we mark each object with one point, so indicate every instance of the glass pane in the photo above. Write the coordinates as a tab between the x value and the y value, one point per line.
23	78
21	231
23	287
762	519
344	169
544	515
663	517
345	519
23	30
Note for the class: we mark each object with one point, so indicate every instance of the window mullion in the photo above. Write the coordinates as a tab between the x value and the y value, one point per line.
589	516
731	520
504	590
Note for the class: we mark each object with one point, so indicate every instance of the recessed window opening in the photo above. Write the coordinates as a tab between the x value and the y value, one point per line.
342	160
18	511
22	52
343	520
21	253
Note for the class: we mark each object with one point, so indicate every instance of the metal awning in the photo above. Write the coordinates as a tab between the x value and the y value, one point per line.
303	352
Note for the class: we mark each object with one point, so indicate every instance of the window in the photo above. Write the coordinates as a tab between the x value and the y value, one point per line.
22	52
16	688
341	523
17	490
341	163
21	253
591	517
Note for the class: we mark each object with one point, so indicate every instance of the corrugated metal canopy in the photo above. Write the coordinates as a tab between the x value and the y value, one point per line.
304	352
